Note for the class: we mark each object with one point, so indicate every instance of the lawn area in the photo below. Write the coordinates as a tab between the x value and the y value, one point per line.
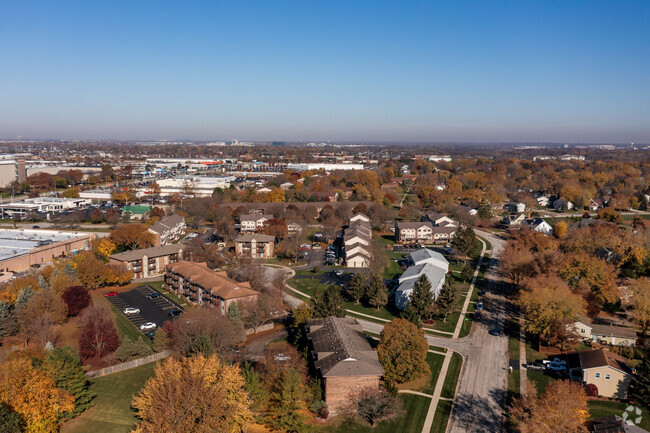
514	378
601	408
466	327
126	328
112	411
426	385
451	380
488	245
441	418
414	411
539	380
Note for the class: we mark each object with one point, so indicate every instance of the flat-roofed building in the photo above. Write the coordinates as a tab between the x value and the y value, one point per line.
42	206
149	262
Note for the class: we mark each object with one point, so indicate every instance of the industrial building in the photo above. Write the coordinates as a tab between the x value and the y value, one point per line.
42	206
11	169
324	166
199	186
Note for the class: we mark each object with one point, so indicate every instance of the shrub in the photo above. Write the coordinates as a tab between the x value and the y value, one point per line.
130	350
591	390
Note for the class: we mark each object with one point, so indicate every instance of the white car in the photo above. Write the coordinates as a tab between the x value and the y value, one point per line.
131	310
148	325
339	273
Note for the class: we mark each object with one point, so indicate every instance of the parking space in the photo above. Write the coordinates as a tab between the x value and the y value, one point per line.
154	307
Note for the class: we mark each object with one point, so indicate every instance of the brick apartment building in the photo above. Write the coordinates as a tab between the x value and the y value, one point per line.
148	262
255	246
169	229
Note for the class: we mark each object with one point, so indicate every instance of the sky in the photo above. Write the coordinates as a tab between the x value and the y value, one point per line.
403	71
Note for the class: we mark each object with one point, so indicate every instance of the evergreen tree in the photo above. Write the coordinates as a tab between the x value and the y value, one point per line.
64	367
130	350
640	385
10	421
8	322
254	386
421	297
160	340
448	298
465	240
233	312
376	292
42	283
287	408
411	314
467	272
356	289
328	302
23	298
202	345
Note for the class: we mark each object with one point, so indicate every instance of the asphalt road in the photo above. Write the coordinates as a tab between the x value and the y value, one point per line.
151	310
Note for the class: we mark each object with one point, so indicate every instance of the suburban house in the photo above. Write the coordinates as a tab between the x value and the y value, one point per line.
420	232
604	334
562	204
136	212
204	286
539	225
253	223
169	229
356	242
255	246
515	207
294	227
286	186
148	262
444	227
513	220
543	201
595	205
611	373
344	359
425	262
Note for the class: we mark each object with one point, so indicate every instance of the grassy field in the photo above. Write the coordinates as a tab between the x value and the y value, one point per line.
112	411
601	408
411	420
539	380
451	380
441	418
426	385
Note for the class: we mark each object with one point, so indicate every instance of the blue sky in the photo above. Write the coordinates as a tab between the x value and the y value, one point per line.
462	71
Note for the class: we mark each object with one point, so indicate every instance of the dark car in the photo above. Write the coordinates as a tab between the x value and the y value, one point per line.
153	295
35	227
150	333
481	293
496	332
477	316
174	312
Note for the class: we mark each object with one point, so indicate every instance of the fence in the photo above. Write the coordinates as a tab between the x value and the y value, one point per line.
131	364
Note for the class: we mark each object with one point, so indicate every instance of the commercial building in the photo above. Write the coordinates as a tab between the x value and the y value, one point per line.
344	359
204	286
425	262
169	229
255	246
11	170
149	262
199	186
324	166
43	206
20	249
136	212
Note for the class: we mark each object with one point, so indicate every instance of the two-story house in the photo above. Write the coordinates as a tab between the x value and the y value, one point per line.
414	232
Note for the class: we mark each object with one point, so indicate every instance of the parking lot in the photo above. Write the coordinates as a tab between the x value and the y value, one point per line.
151	310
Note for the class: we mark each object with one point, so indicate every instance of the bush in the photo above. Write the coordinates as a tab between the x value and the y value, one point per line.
591	390
316	269
130	350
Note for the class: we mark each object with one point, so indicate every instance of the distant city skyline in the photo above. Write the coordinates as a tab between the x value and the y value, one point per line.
461	72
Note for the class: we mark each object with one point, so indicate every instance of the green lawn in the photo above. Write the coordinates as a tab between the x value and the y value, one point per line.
451	380
539	380
112	411
160	287
488	245
126	328
411	420
435	364
441	418
601	408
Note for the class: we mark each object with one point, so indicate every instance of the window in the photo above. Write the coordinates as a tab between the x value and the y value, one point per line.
582	331
607	377
597	375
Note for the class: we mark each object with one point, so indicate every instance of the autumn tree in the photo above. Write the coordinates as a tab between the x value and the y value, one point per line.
610	215
356	288
90	271
131	237
287	409
516	262
402	351
585	273
421	297
448	298
64	367
194	395
275	227
373	404
562	408
376	292
221	332
98	334
328	302
43	311
76	298
33	395
104	247
640	302
559	229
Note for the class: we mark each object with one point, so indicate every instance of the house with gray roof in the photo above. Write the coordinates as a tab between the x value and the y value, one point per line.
425	262
169	229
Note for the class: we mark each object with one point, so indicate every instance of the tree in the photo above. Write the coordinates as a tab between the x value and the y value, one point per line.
562	408
465	240
467	273
402	351
640	302
376	292
640	385
448	298
257	312
259	395
132	236
33	395
130	350
44	310
586	273
233	312
516	262
202	346
64	367
160	340
194	395
421	298
222	332
373	404
76	298
276	227
61	279
8	322
328	302
287	408
559	230
98	334
356	288
10	421
91	271
610	215
104	247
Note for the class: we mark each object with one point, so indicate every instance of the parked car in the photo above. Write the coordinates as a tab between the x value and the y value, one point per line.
174	312
536	366
131	310
497	332
339	273
554	366
148	325
477	316
479	305
153	295
481	293
150	333
107	294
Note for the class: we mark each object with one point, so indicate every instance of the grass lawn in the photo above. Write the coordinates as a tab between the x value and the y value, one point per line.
441	418
466	327
427	384
488	245
539	380
411	420
451	380
112	411
126	328
601	408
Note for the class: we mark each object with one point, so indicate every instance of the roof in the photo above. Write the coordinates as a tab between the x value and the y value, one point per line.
426	255
601	358
136	209
613	331
217	283
255	236
163	250
401	225
256	218
613	424
341	348
445	229
167	223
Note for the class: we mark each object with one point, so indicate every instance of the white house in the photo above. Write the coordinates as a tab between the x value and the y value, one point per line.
425	262
543	201
252	223
541	226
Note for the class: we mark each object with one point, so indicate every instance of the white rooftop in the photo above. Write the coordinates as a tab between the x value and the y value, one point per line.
14	243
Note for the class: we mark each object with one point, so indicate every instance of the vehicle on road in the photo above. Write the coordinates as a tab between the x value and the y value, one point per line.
479	305
131	310
35	227
153	295
174	312
496	331
148	325
107	294
536	366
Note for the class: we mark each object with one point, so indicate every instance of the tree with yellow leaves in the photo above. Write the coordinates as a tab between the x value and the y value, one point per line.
193	395
33	394
104	247
640	302
559	230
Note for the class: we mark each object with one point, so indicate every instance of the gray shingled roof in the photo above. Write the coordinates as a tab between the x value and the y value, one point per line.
163	250
166	223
